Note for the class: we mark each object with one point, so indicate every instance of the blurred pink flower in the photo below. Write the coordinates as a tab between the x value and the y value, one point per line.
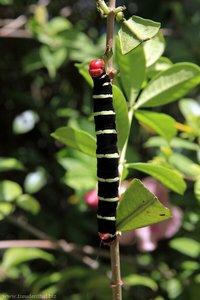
147	237
91	198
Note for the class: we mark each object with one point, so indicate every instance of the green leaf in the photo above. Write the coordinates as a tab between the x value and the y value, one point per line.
184	164
162	64
183	144
135	279
77	139
28	203
136	30
80	46
32	61
191	111
156	141
189	108
153	49
138	207
16	256
58	24
52	59
9	163
186	246
169	177
161	123
6	209
176	143
35	181
6	2
130	79
9	190
174	288
122	121
170	85
197	188
78	175
83	70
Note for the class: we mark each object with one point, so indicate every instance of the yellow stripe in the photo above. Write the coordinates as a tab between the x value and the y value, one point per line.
111	155
103	76
106	218
108	199
106	83
106	131
104	113
108	179
102	96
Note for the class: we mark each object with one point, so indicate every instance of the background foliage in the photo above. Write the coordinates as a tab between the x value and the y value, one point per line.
43	183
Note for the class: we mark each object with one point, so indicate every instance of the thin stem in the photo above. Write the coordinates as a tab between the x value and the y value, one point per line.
110	34
116	284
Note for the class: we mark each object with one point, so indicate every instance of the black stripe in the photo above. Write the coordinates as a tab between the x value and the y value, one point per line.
108	190
102	104
106	143
107	209
106	168
104	122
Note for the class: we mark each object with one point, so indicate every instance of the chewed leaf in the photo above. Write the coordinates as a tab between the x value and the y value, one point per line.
136	30
139	207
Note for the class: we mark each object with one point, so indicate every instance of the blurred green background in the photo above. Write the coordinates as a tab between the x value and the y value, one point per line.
43	184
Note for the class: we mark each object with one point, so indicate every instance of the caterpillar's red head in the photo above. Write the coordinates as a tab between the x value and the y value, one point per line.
96	67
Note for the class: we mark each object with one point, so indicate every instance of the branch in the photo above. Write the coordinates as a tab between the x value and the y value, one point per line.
117	283
110	34
10	27
49	242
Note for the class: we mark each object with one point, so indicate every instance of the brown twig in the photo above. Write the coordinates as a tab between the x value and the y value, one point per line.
45	241
19	34
116	284
48	242
110	35
12	26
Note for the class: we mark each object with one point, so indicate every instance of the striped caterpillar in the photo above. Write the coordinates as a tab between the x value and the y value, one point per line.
106	152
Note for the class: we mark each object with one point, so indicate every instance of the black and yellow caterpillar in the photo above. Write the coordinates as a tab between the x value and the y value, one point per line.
106	152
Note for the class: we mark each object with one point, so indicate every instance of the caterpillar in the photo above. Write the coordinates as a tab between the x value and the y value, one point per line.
106	152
